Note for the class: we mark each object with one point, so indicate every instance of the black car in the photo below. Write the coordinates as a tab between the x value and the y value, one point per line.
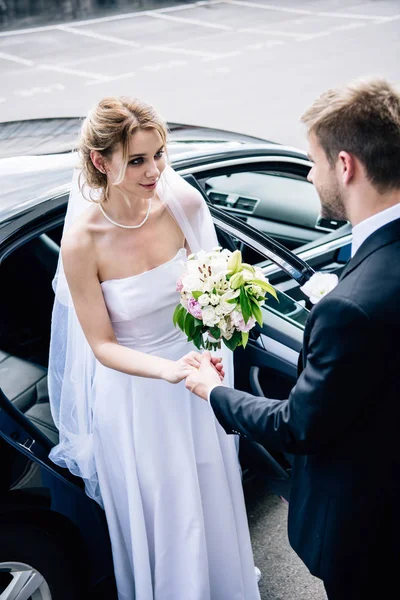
54	542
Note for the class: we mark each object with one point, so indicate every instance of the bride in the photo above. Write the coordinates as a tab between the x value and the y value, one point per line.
151	453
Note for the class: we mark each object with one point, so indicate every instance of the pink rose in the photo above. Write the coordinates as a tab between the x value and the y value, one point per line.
179	285
238	321
194	308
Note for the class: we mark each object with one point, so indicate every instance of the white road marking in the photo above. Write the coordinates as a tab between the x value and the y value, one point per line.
17	59
98	36
313	36
268	44
130	15
146	13
97	58
186	21
67	71
348	26
304	37
156	67
291	34
122	42
183	51
112	78
299	11
225	55
388	19
26	31
39	90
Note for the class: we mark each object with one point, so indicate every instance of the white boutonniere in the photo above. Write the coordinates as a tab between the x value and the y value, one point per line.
319	285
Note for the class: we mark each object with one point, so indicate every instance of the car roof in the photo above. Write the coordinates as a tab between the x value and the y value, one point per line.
54	136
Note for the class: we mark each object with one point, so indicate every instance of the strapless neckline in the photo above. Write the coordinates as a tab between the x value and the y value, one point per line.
145	272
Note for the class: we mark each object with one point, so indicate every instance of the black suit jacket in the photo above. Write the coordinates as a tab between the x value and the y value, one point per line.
342	419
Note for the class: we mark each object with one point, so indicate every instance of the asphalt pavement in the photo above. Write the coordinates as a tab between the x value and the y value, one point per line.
249	66
284	576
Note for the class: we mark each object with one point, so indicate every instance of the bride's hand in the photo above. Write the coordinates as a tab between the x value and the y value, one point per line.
178	370
193	359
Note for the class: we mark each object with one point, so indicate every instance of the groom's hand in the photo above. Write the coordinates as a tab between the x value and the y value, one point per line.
206	377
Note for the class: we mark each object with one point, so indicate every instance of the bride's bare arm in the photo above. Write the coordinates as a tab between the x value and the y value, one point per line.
80	268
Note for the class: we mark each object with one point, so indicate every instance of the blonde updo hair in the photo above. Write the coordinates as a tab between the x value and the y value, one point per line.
113	121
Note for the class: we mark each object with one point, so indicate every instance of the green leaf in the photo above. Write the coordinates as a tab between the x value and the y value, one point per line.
176	313
215	332
181	318
264	285
245	305
196	295
197	339
194	333
189	325
235	340
256	310
245	338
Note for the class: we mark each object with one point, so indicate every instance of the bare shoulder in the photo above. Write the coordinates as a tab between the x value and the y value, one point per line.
78	243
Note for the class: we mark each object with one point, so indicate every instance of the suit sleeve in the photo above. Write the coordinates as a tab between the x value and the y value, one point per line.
337	385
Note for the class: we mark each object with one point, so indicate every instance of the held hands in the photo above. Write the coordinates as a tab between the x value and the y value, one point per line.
189	364
208	375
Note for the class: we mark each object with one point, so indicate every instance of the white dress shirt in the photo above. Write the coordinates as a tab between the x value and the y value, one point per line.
364	229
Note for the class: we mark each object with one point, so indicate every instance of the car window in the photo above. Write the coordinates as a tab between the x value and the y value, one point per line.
268	195
284	205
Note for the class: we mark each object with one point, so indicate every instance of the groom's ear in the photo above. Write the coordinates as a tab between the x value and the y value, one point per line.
346	165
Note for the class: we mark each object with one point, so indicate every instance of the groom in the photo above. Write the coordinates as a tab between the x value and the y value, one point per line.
342	418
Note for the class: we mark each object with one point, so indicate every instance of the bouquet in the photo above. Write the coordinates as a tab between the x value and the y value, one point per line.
220	299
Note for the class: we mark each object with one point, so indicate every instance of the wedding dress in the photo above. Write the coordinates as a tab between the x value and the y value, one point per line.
169	475
155	456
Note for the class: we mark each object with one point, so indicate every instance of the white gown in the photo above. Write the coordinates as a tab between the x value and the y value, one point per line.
169	475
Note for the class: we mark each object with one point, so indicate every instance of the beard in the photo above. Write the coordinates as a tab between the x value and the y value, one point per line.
332	203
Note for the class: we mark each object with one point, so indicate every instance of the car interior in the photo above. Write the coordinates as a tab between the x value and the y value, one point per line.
25	332
273	198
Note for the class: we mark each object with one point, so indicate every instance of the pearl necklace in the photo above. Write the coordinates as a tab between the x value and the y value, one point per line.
127	226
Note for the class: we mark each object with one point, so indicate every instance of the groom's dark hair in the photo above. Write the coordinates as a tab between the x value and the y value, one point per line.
362	118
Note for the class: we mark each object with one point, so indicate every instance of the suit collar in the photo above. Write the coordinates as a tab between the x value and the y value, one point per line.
381	237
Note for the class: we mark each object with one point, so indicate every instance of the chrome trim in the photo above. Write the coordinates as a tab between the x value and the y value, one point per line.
245	161
279	350
315	252
243	237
